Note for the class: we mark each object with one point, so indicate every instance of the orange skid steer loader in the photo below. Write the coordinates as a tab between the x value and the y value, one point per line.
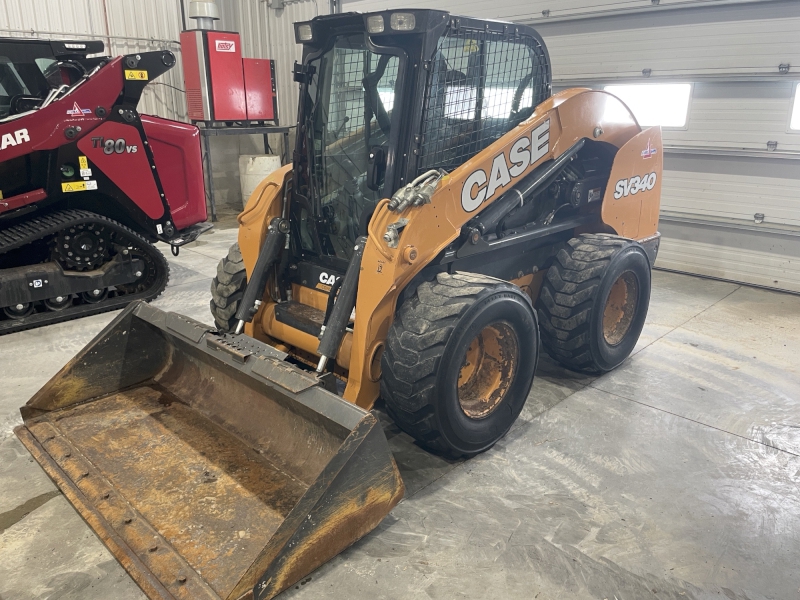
444	214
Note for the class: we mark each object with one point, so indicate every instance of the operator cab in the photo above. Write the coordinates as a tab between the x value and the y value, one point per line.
389	95
31	69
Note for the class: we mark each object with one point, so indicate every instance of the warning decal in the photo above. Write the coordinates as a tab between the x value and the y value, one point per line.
78	186
83	163
136	75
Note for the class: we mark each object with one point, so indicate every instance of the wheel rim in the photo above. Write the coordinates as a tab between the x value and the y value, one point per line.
488	370
620	308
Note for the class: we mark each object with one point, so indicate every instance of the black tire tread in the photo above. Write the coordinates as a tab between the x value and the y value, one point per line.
567	295
415	346
227	288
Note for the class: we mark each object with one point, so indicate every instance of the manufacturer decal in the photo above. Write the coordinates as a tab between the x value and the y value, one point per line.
225	46
649	151
86	172
77	111
595	194
112	146
524	152
327	279
634	185
135	75
78	186
14	139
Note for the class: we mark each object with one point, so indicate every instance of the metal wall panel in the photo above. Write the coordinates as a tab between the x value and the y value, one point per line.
769	260
733	189
73	16
737	40
741	115
541	11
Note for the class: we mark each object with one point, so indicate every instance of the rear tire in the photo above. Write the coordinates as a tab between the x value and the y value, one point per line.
227	289
459	362
594	301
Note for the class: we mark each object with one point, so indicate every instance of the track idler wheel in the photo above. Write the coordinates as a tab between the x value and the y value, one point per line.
95	296
19	311
58	303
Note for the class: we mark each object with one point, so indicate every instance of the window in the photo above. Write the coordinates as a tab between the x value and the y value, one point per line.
795	122
665	104
482	84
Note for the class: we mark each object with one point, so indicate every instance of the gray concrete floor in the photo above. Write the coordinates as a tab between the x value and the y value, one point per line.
676	476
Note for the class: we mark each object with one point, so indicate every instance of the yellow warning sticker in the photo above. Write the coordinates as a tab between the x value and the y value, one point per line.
471	46
136	75
1	194
84	164
74	186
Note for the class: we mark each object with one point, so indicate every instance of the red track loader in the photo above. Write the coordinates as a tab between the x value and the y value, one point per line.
87	184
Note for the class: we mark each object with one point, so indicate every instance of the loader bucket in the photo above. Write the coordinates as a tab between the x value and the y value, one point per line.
208	465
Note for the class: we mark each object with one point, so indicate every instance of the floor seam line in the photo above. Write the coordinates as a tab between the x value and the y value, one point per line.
739	435
738	287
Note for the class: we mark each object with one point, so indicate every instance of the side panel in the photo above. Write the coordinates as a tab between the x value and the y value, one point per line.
227	78
124	161
176	149
194	74
259	83
633	193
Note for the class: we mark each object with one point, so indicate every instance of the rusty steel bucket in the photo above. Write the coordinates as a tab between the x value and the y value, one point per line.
207	464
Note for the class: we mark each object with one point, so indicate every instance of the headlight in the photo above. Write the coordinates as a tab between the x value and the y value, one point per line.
304	33
375	24
403	21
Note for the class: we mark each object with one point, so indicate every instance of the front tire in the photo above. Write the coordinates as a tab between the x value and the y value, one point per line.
227	289
594	301
459	362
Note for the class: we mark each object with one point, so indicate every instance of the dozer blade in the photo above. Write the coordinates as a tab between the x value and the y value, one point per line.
209	466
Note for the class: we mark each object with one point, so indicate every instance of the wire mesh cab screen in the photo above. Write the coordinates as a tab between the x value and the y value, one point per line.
481	85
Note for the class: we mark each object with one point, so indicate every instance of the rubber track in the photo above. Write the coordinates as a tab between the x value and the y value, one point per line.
415	348
41	227
567	298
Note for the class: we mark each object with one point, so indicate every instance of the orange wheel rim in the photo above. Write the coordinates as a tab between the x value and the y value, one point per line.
620	308
487	370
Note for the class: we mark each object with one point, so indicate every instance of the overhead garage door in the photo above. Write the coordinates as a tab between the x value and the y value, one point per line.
731	195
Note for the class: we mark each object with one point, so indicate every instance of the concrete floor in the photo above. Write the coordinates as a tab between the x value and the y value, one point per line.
676	476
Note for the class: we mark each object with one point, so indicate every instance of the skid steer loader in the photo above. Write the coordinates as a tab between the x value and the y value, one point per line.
444	214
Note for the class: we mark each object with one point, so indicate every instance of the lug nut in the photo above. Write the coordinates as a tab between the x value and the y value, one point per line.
138	273
59	298
19	306
95	292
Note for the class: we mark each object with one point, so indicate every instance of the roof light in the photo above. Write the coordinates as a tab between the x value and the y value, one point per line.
304	33
403	21
375	24
75	46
